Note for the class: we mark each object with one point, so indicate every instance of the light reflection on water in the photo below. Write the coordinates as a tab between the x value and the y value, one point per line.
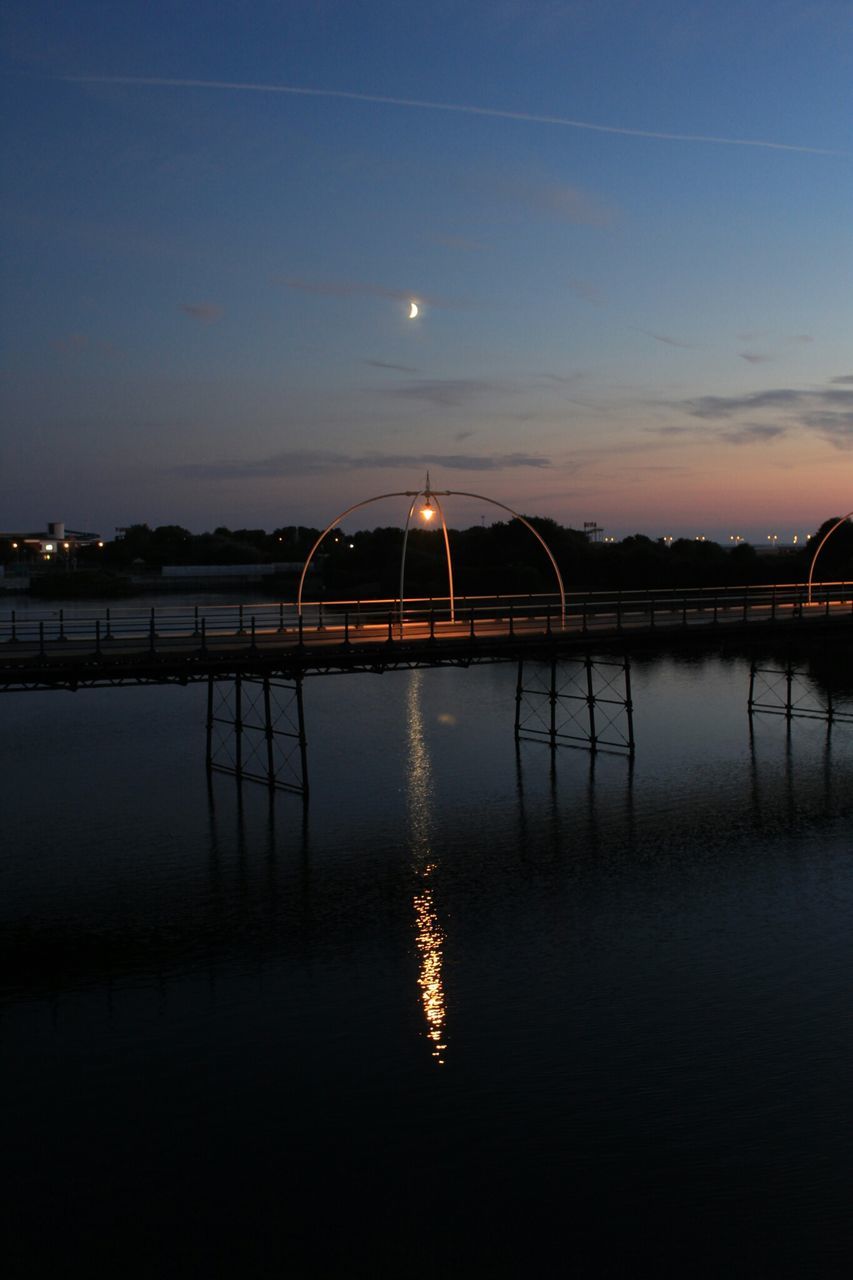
207	991
429	934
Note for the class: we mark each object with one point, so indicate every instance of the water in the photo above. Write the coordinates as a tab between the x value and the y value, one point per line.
473	1014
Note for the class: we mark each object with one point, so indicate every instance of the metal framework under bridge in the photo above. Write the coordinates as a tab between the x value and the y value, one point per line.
254	657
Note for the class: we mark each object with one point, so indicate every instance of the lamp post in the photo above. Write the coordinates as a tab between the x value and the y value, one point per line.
427	514
431	505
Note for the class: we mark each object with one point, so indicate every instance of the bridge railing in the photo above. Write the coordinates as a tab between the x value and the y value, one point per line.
345	620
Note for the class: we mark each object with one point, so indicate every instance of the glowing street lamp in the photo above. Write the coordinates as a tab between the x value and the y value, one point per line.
428	511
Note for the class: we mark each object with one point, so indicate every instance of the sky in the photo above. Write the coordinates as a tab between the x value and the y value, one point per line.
626	224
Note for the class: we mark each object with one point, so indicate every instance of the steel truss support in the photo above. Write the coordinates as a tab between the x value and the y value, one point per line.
256	731
575	702
787	691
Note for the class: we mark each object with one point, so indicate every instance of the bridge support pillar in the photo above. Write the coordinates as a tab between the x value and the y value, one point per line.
787	691
575	702
256	731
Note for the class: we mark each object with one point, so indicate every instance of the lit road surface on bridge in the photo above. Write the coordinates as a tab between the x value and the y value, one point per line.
64	635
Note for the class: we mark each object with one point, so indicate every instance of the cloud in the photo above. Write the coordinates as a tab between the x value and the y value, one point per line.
72	343
727	406
422	104
78	343
584	289
800	337
752	433
846	379
663	337
308	462
569	204
755	357
563	378
836	427
204	312
447	392
386	364
779	398
558	200
828	411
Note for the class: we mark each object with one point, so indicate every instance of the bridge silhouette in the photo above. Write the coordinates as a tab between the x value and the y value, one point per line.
86	647
255	657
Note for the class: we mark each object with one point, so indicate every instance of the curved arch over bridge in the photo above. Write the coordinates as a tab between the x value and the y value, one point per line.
827	535
429	494
461	493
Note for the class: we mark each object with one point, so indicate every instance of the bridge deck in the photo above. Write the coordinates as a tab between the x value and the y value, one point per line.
71	649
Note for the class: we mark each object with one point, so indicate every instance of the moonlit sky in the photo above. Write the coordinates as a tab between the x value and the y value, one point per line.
206	286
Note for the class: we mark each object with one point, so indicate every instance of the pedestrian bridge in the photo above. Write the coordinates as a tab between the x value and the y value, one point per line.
254	657
87	647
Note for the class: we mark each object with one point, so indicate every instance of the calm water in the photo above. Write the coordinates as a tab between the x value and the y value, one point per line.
473	1015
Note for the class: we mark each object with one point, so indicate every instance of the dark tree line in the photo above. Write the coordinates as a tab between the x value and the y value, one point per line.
501	558
142	547
505	558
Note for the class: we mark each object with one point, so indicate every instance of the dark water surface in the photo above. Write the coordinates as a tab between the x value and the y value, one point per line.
473	1015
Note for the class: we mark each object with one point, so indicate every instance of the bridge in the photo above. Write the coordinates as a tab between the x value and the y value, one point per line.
85	647
255	657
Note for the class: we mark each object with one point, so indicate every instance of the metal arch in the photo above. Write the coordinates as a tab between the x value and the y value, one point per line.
461	493
447	553
403	556
403	493
428	494
445	493
828	534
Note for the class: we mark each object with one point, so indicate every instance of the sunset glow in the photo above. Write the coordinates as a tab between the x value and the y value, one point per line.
632	247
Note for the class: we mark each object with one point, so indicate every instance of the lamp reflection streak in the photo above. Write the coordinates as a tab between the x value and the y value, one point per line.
429	935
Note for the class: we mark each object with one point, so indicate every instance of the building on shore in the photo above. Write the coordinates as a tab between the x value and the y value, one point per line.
56	544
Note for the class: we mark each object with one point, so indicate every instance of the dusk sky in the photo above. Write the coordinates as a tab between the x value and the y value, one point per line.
627	227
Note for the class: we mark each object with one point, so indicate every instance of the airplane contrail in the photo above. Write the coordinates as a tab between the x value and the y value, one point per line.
460	108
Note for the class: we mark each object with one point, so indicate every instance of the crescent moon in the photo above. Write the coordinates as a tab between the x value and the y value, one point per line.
413	310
